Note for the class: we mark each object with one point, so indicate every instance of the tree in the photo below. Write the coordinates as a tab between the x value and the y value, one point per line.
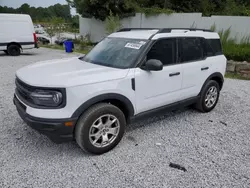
40	13
24	9
100	9
112	23
55	27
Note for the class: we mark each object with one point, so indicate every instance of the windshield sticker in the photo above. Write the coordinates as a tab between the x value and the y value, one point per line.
142	42
133	45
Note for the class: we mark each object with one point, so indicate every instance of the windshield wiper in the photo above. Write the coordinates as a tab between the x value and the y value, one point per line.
82	57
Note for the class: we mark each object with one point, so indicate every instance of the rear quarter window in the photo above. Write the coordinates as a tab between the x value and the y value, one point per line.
213	47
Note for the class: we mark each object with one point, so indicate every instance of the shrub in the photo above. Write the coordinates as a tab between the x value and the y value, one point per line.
237	52
233	50
112	23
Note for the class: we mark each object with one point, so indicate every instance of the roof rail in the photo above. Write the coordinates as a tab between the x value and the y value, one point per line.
164	30
130	29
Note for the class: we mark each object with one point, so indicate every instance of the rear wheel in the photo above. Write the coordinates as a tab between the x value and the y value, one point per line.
100	128
209	96
14	50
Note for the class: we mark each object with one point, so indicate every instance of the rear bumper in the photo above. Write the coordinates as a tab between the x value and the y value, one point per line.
54	129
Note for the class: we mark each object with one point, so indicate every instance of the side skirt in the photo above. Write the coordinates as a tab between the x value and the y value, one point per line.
162	110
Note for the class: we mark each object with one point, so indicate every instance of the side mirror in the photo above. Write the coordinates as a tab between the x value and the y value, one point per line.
153	65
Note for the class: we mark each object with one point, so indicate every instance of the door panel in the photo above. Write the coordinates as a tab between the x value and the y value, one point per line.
156	89
159	88
194	77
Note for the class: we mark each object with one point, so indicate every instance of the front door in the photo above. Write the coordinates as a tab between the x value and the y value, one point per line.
159	88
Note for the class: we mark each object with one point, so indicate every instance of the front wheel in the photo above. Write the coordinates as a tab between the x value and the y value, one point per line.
209	96
100	128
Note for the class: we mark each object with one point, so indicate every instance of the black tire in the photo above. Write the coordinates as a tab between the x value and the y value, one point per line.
14	50
85	122
6	52
201	104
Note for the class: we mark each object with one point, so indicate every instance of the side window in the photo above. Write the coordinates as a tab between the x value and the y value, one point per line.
191	49
213	47
163	50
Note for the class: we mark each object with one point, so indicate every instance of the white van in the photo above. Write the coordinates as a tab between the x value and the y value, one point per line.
16	33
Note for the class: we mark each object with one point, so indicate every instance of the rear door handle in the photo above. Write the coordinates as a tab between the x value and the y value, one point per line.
174	74
204	68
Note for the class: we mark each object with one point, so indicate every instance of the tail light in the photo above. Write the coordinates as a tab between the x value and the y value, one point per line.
35	39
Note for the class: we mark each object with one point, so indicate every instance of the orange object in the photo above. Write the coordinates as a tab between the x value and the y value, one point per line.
69	124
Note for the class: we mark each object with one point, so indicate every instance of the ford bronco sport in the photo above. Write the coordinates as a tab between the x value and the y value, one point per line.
129	74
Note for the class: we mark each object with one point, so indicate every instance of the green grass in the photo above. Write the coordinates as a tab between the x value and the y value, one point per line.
235	76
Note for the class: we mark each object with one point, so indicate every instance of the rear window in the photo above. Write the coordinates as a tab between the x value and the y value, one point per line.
213	47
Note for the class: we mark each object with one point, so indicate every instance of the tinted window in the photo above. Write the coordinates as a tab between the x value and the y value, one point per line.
163	50
213	47
191	49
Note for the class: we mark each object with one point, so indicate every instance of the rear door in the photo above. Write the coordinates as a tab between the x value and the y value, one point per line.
196	66
159	88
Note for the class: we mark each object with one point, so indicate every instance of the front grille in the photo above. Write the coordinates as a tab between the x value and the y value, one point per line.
18	103
23	91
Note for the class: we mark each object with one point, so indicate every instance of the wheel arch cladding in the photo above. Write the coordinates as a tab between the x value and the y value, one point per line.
218	77
14	43
120	101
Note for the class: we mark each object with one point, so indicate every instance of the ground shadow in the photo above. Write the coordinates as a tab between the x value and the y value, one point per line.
22	54
147	121
71	148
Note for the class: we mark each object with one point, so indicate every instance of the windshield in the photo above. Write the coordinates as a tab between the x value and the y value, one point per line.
115	52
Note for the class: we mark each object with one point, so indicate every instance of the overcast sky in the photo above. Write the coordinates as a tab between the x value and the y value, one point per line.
35	3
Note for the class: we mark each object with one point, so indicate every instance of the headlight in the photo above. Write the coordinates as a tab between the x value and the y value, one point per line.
47	98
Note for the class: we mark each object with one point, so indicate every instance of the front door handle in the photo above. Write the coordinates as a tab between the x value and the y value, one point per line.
174	74
204	68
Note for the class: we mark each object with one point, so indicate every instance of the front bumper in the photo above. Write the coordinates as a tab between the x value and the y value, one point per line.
54	129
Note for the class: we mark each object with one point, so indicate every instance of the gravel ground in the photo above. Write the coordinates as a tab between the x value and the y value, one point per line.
214	148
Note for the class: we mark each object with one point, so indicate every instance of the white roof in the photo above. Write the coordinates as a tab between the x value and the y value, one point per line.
19	17
135	34
146	34
206	35
13	15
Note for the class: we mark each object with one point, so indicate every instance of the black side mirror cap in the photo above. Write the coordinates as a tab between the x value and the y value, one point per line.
153	65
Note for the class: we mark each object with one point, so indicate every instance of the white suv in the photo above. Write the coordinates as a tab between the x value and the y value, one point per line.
130	74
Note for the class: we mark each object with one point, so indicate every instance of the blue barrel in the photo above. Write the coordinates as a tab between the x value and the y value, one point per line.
68	46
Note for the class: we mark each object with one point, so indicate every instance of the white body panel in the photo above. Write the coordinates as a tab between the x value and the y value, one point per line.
77	95
155	89
68	72
206	35
194	77
16	28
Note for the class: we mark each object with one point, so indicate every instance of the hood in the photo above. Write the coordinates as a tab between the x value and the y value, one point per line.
67	72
